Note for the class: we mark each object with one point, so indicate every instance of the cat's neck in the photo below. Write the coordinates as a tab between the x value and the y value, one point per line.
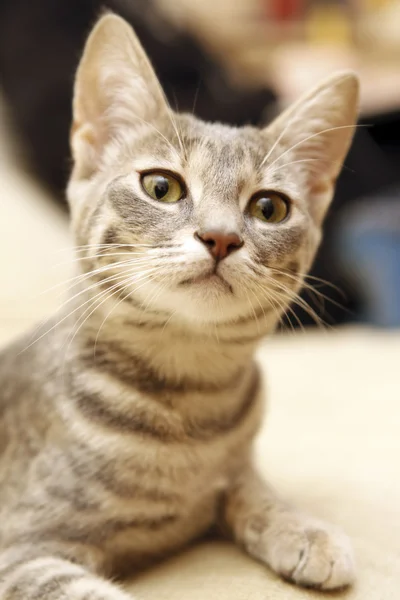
173	349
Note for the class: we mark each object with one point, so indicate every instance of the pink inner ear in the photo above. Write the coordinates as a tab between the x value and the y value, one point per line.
85	131
86	147
321	187
74	128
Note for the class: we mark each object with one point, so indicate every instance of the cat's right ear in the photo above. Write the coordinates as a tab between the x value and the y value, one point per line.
115	88
315	135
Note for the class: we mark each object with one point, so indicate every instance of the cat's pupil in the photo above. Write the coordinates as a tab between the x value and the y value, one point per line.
161	187
267	207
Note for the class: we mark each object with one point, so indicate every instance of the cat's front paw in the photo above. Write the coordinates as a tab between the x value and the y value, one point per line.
303	550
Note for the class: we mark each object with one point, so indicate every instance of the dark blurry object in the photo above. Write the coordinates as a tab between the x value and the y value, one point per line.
368	251
40	45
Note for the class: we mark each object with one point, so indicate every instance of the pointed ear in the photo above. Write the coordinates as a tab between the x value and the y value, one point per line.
115	88
317	131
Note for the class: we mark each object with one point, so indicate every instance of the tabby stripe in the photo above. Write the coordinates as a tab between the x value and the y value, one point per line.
129	298
241	340
4	439
94	408
114	526
97	410
125	489
258	313
75	497
134	371
101	531
54	587
50	578
151	325
23	574
105	474
95	531
293	266
205	430
140	323
96	589
110	236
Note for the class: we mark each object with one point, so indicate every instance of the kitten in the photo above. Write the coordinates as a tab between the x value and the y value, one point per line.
126	428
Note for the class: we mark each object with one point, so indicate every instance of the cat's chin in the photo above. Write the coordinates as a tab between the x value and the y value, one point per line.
206	300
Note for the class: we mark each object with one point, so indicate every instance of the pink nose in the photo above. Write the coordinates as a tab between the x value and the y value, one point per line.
218	243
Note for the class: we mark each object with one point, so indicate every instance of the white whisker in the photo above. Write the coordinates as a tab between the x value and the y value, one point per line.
101	256
260	305
292	162
145	280
252	309
278	139
64	319
114	289
168	320
83	247
312	290
160	134
271	297
160	287
132	271
310	137
79	278
297	300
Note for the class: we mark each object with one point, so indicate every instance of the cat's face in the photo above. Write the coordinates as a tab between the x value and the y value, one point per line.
205	222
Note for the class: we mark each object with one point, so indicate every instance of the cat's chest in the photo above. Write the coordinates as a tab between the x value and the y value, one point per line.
158	473
170	506
172	475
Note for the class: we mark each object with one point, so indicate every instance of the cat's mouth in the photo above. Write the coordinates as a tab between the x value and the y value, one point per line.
211	278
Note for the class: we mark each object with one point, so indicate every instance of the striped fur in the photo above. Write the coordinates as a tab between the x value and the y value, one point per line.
126	420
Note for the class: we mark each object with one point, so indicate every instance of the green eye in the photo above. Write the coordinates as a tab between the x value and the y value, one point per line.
270	207
162	187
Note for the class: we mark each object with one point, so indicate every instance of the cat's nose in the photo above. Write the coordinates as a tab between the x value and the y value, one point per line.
219	243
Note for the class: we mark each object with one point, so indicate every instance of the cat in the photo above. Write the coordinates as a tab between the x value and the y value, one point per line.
127	421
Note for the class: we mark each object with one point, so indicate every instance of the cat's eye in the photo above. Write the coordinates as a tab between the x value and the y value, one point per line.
162	187
270	207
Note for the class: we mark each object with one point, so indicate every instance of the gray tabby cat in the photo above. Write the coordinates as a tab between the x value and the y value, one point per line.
126	428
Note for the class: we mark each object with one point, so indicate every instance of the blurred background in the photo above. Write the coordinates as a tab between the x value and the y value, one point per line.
239	61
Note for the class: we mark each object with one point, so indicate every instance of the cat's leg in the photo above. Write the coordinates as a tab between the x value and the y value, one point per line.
298	547
54	572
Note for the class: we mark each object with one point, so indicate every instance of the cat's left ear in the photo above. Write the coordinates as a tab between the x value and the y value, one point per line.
315	135
115	88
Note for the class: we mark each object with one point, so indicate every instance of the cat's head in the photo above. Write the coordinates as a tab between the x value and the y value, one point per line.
206	222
